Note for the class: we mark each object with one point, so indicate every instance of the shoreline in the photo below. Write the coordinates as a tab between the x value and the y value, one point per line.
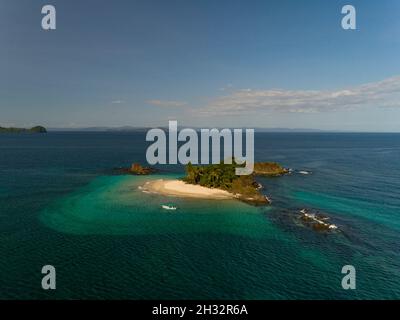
179	188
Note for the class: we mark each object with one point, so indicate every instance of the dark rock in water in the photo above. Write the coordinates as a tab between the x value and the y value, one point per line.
316	221
137	169
258	185
256	199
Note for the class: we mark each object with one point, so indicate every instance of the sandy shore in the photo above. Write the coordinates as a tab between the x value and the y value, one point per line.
179	188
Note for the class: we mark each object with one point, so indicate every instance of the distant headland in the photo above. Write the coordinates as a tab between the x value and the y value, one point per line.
36	129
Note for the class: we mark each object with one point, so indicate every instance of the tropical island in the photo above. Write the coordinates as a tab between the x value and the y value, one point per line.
218	181
36	129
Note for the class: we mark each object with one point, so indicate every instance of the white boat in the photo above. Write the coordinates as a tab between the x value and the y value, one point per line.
304	172
166	207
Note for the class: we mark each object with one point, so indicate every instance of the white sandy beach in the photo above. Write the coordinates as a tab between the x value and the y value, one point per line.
179	188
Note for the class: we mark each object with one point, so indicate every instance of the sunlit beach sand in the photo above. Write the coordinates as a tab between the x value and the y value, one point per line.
179	188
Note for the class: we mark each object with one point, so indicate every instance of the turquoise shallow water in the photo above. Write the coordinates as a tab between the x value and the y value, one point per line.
60	204
114	205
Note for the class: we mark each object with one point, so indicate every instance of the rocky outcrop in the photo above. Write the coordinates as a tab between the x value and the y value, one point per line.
271	169
138	169
316	221
256	199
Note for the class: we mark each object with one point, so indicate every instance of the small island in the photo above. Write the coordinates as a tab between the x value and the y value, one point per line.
36	129
137	169
270	169
218	181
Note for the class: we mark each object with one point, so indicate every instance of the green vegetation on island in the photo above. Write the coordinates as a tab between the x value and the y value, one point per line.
271	169
138	169
36	129
223	176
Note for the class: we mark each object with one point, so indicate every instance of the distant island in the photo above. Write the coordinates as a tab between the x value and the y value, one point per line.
36	129
145	129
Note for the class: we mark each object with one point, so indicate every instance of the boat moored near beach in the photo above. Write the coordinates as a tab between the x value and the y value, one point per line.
168	207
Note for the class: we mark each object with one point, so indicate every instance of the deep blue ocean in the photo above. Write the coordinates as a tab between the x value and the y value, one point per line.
61	204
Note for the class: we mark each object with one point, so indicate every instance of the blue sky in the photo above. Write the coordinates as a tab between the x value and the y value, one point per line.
204	63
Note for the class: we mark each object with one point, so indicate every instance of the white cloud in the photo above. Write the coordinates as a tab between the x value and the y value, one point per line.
384	93
166	103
